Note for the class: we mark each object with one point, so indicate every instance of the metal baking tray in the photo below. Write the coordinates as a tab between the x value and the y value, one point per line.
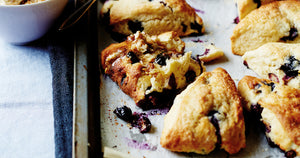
218	17
86	110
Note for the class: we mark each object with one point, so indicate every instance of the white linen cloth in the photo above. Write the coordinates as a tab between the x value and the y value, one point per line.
26	110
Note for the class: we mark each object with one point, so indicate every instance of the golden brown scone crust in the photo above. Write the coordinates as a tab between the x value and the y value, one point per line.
279	62
188	126
280	110
153	17
273	22
145	67
246	6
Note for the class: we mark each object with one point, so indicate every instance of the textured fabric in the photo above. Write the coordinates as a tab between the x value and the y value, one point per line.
61	59
61	48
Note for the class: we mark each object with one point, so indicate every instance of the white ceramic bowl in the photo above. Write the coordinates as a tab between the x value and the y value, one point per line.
20	24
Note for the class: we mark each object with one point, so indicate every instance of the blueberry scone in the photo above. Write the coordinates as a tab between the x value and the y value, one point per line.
278	108
273	22
151	69
18	2
208	114
246	6
152	17
279	62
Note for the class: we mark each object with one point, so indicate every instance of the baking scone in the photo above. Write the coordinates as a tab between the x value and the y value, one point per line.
151	69
152	17
208	114
279	62
273	22
278	108
246	6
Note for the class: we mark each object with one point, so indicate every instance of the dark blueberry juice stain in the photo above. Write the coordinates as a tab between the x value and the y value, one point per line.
271	143
246	64
172	81
205	52
289	68
197	40
198	27
190	76
135	26
215	122
161	59
106	18
256	110
199	11
258	2
156	100
273	77
184	27
293	33
256	87
133	57
116	36
271	84
141	145
267	128
236	20
165	4
290	154
138	120
23	2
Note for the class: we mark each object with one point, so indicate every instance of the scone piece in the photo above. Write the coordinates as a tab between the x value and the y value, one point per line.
211	53
151	69
206	115
273	22
279	62
246	6
152	16
278	108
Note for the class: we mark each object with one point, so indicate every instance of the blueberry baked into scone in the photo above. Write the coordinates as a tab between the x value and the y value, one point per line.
246	6
151	69
278	21
208	114
278	108
279	62
153	17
